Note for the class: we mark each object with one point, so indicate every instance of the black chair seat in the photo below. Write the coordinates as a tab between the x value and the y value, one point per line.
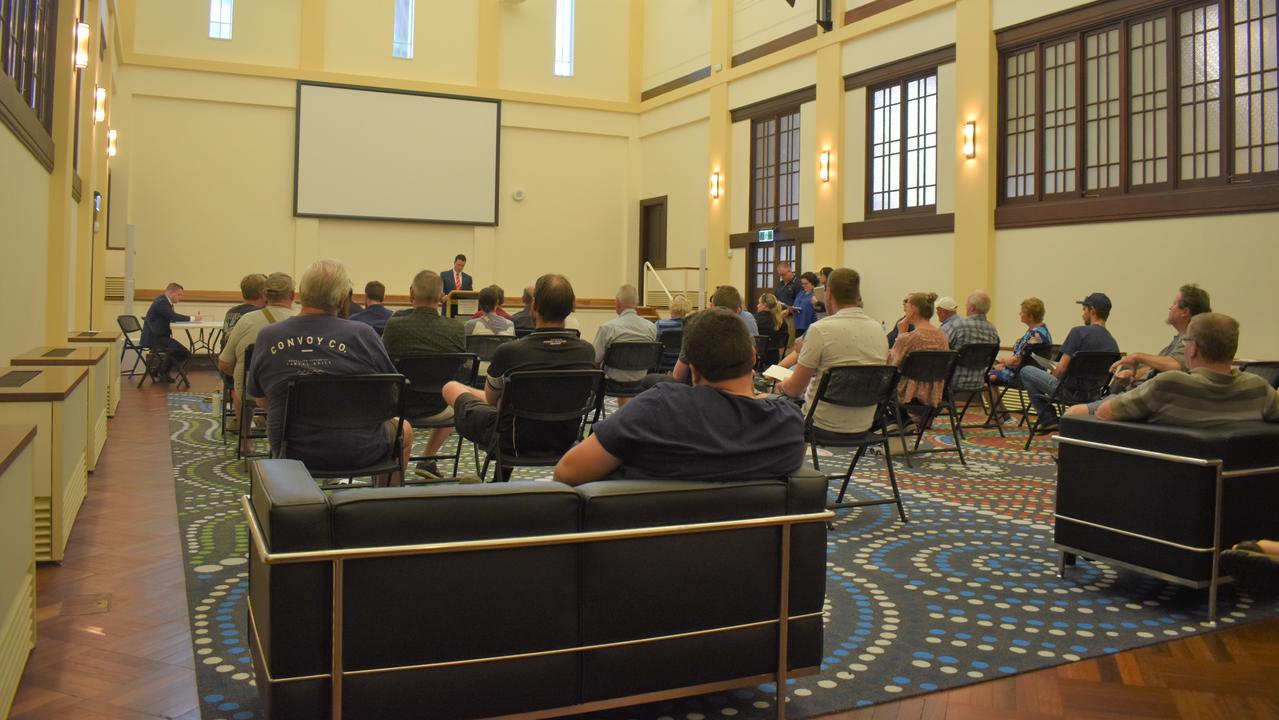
426	375
1087	378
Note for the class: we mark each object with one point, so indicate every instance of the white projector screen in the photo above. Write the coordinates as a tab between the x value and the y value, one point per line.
378	154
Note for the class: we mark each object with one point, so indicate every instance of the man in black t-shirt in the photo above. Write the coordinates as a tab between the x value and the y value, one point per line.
1092	336
548	347
714	430
253	290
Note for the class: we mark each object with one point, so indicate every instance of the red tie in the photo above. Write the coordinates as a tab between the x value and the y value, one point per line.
457	280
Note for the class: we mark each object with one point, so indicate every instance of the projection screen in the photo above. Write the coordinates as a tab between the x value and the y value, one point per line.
375	154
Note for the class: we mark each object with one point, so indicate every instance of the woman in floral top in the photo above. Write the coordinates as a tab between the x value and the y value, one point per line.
1032	314
925	336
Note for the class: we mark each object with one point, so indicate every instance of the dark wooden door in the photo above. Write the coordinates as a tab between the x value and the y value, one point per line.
761	267
652	236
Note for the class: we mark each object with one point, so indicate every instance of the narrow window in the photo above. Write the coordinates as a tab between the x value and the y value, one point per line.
402	41
1200	93
885	148
903	144
564	38
1019	130
1256	72
775	169
1060	118
1148	101
220	12
1101	110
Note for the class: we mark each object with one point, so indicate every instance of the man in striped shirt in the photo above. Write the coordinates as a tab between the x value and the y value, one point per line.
1210	393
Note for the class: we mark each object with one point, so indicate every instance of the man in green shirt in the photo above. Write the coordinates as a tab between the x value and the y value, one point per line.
1211	393
424	331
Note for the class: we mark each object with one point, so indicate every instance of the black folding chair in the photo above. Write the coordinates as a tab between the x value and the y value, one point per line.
252	418
929	366
129	324
972	359
628	356
426	376
227	403
672	342
856	386
483	346
1048	352
540	416
1268	370
761	353
345	403
1087	378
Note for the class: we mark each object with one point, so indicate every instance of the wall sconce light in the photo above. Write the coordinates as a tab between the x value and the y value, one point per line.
970	139
715	184
99	104
823	166
81	46
111	136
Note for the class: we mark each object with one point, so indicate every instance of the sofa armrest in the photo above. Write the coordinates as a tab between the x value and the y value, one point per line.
290	507
1238	445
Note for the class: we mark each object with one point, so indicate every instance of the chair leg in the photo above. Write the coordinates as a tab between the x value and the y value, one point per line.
1030	436
813	446
958	434
901	433
994	407
892	480
484	471
843	488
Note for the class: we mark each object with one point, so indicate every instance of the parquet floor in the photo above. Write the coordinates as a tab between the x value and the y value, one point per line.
114	641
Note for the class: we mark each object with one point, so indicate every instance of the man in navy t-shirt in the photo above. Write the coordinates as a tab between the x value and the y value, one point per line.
1092	336
714	430
317	342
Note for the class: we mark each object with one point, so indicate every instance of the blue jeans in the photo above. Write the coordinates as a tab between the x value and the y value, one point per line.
1039	384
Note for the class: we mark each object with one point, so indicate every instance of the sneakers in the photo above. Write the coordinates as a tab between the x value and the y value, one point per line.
427	469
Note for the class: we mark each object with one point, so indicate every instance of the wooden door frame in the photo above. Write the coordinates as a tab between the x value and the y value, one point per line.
644	205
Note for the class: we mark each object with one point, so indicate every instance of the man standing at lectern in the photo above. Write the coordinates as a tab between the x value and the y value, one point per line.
455	279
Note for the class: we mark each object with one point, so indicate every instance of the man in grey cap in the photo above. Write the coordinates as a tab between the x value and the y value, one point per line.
1092	336
279	305
947	311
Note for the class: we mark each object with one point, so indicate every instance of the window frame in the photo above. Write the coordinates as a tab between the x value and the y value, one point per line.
776	118
1176	195
901	209
26	93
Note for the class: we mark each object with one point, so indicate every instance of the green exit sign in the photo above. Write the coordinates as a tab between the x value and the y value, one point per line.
765	235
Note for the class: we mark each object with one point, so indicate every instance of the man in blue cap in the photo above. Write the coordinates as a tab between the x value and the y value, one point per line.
1092	336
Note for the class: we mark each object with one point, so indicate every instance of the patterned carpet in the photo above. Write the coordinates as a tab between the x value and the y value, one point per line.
964	592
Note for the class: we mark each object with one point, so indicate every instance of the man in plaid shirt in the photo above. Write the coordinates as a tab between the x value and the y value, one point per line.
974	328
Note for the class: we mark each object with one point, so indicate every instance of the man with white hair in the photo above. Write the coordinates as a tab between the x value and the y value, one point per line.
971	330
318	342
628	326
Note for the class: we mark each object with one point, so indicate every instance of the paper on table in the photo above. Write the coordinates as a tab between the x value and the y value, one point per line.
778	373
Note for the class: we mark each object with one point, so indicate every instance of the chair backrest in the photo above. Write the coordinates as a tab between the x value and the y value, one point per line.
485	345
523	332
342	402
540	412
1268	370
672	340
128	324
426	376
1087	376
854	386
633	355
929	365
1051	351
976	359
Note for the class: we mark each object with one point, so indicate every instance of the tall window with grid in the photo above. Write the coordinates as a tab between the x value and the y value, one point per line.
220	15
775	170
402	32
27	52
902	148
1182	97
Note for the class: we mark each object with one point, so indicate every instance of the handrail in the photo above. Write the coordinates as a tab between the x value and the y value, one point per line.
648	267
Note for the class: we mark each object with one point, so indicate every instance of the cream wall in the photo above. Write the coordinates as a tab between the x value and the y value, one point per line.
677	39
1140	265
755	22
601	49
912	37
674	162
24	205
357	39
1012	12
892	267
263	33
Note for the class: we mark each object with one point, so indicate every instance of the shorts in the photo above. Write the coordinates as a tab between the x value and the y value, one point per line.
475	420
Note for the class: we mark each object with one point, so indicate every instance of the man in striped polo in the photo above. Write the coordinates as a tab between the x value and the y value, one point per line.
1210	393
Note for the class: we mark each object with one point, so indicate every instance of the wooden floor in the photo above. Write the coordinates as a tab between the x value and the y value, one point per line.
114	641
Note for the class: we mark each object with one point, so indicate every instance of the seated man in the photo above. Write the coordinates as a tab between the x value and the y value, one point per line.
626	327
1211	393
947	311
374	314
279	295
727	297
318	342
499	299
846	336
971	330
524	318
157	332
548	347
487	321
1190	300
425	331
713	430
1092	336
253	290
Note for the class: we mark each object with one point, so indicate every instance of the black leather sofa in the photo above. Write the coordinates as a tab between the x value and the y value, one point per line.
1165	500
524	619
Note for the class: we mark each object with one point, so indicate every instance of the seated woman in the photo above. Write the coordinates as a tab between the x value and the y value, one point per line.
925	336
680	307
805	312
1004	371
772	325
489	322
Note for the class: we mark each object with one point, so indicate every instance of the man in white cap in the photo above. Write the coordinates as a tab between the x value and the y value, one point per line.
947	310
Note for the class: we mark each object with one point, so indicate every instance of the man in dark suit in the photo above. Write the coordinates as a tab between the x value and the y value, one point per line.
375	313
157	333
455	279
